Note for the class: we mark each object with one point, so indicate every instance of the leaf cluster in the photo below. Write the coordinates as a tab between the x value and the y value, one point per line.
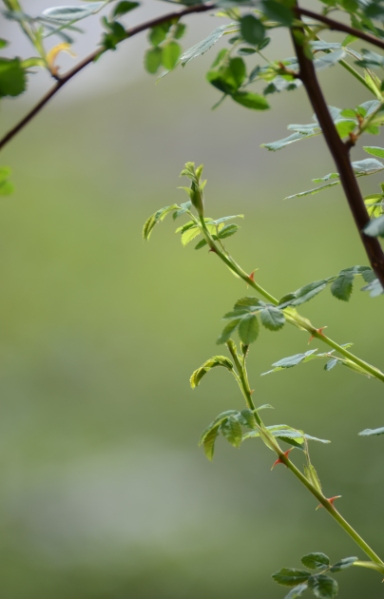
314	578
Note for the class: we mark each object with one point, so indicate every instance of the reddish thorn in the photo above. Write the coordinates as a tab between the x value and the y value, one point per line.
330	500
212	250
279	460
318	331
251	391
252	276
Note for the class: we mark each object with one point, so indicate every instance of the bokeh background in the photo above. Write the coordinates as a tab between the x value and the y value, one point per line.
104	493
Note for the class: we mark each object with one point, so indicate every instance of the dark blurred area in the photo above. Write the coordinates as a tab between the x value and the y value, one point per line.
104	493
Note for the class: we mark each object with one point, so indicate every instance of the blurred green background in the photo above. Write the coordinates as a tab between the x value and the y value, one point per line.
104	493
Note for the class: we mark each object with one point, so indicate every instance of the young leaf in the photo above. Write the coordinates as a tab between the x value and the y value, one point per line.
227	331
248	329
209	442
198	374
323	586
231	430
315	561
331	364
272	318
369	432
152	221
290	577
344	563
341	287
247	418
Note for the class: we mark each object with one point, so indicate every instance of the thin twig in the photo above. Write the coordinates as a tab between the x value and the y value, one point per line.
89	59
340	153
336	26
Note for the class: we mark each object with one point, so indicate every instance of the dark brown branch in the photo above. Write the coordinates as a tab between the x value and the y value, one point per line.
89	59
340	154
336	26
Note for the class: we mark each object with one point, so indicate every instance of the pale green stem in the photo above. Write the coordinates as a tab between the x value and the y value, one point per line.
292	316
376	563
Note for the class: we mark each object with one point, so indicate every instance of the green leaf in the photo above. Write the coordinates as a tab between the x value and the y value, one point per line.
272	318
170	55
278	12
282	143
228	231
375	227
341	287
198	374
229	77
12	77
250	100
374	151
209	442
304	294
202	243
179	31
315	561
6	187
231	430
252	30
331	364
248	329
209	435
291	361
204	45
323	586
247	418
290	577
369	432
158	34
227	331
296	591
153	220
122	8
152	60
344	563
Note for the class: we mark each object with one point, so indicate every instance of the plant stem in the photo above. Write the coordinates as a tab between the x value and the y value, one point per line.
271	442
292	316
334	513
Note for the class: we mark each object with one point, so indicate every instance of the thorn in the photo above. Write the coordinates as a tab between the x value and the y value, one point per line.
251	277
252	391
279	460
318	331
212	250
330	500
